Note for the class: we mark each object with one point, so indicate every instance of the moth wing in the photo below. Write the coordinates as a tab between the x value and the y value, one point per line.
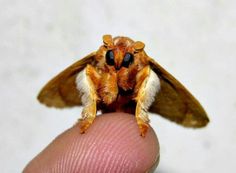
61	91
175	102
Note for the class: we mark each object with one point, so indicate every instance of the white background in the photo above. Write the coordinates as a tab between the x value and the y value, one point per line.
194	40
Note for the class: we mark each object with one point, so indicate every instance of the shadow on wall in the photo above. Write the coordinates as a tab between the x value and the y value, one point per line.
161	170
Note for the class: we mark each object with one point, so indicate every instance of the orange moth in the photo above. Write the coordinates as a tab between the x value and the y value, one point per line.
120	76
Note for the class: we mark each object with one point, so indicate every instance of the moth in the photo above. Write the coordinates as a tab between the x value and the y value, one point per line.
120	76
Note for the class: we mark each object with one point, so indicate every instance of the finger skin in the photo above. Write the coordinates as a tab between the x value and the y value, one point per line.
112	144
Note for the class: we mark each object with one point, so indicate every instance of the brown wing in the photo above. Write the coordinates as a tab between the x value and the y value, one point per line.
61	91
175	102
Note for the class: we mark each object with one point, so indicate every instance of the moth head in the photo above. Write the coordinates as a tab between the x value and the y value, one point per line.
123	56
121	52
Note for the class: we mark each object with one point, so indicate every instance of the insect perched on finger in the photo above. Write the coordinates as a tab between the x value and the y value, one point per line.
120	76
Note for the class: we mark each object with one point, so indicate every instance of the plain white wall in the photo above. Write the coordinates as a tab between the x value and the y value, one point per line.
194	40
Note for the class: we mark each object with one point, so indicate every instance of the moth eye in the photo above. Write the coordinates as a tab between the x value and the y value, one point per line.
128	59
110	57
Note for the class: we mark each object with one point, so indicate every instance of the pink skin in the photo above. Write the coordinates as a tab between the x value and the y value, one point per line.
112	144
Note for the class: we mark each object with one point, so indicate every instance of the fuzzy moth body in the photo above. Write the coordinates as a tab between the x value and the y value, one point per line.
120	76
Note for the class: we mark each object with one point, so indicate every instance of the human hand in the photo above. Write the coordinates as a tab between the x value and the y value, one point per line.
111	144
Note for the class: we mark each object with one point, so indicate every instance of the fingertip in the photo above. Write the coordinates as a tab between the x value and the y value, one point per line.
111	144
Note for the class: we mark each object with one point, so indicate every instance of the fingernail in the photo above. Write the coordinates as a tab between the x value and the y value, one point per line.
154	166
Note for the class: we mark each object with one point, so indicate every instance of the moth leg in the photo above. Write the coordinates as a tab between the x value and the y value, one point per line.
87	81
148	84
108	88
88	116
